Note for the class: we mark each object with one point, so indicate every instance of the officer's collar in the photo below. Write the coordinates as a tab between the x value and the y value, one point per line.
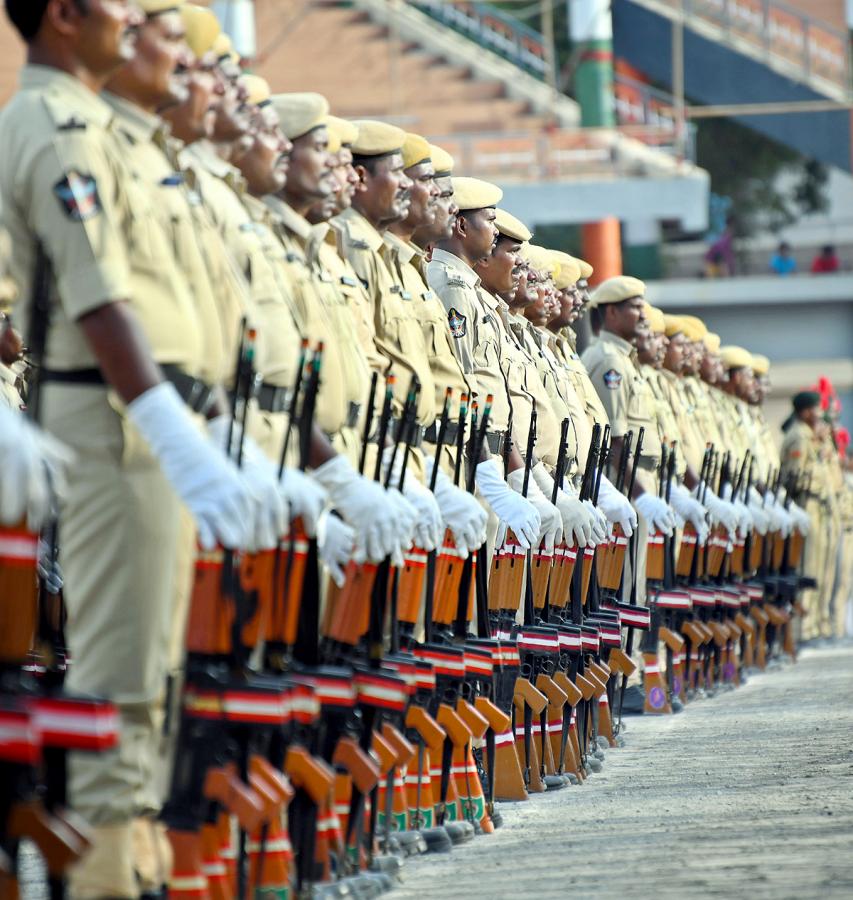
360	228
608	337
76	97
403	249
289	217
205	152
459	266
142	126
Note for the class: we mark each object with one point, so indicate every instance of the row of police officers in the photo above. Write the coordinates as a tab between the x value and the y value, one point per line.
166	215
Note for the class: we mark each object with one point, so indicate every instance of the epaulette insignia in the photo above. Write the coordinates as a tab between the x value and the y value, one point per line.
73	124
174	180
427	295
349	281
358	243
487	318
456	281
457	323
612	380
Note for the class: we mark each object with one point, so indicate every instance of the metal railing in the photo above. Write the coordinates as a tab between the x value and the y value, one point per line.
559	154
815	50
493	29
638	104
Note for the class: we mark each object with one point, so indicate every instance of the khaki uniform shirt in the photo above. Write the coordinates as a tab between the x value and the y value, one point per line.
325	317
692	441
446	371
563	400
9	395
667	425
627	399
475	330
398	331
700	408
143	138
801	457
64	184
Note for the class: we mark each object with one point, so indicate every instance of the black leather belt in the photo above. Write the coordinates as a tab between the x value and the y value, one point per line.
273	399
450	434
416	435
353	413
495	440
197	394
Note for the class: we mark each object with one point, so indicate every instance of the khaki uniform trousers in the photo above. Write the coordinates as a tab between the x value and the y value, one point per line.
646	480
814	557
120	529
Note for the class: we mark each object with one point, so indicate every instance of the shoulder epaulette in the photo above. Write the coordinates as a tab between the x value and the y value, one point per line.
72	124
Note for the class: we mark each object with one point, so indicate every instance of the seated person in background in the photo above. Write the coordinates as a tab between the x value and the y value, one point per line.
782	263
826	260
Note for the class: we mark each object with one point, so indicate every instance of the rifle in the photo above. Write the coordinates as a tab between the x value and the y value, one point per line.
542	597
431	558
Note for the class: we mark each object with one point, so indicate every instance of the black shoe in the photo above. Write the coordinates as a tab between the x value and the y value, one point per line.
676	704
497	818
437	839
633	700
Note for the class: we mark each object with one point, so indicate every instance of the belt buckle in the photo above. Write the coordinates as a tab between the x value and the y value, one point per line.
195	392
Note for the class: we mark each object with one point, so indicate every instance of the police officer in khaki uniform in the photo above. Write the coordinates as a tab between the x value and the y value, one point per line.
800	453
66	205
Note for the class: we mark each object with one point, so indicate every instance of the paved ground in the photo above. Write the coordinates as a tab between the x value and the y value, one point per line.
747	794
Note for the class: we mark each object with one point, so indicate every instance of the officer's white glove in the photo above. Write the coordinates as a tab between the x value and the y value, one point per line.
616	507
656	512
30	459
800	518
721	512
271	512
760	519
407	520
579	522
779	519
365	505
335	542
429	527
690	510
217	495
599	522
744	520
510	507
462	514
305	496
551	521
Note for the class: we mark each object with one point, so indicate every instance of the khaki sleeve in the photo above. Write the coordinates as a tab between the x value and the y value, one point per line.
611	378
71	196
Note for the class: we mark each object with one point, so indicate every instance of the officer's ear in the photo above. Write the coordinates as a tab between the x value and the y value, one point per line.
65	16
460	226
363	175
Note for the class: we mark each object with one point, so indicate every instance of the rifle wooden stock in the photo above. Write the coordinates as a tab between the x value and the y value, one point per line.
18	580
266	794
748	630
358	764
410	586
605	722
620	662
288	575
569	688
213	866
597	684
448	574
476	723
719	632
561	574
495	717
777	617
718	542
188	866
601	670
453	724
686	551
655	557
555	695
796	545
60	842
430	732
211	616
756	551
540	574
348	608
308	773
656	700
527	693
586	572
777	550
586	686
738	557
403	749
384	752
671	639
224	786
611	560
